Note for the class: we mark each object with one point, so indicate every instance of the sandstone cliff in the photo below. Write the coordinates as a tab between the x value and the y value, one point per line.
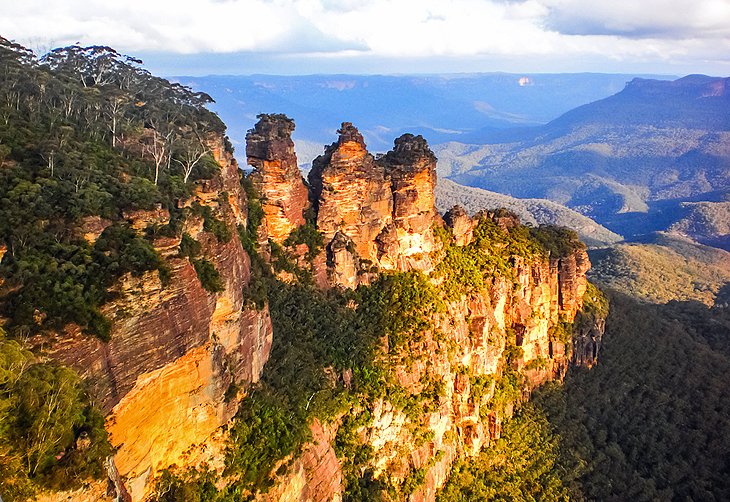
169	376
485	351
175	349
270	151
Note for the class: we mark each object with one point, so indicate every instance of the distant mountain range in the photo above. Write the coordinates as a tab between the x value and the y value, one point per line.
637	155
462	107
632	161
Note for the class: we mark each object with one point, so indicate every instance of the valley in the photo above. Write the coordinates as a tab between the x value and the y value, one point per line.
270	309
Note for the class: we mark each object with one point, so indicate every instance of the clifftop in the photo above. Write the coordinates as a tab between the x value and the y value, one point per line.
408	150
384	207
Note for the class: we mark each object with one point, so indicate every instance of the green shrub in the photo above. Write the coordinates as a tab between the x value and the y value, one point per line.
263	433
309	235
209	277
189	247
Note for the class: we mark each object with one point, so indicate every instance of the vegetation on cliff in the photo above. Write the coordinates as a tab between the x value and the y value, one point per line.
87	133
650	422
494	248
50	435
97	160
335	355
521	465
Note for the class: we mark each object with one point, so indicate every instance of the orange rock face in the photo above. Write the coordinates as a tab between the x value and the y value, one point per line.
411	167
384	208
520	310
284	198
351	192
175	348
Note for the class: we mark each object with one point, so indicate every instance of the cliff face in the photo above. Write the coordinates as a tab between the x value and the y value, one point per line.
489	348
474	348
270	151
175	349
352	196
374	214
166	377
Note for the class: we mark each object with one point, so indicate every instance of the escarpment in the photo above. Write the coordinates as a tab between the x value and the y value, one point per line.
483	310
397	341
176	350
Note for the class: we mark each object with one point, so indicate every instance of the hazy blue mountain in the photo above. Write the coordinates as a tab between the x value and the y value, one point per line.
461	107
629	161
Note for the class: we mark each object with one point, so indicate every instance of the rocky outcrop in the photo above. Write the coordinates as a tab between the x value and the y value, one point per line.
270	151
512	327
175	349
462	226
384	207
351	193
411	167
316	475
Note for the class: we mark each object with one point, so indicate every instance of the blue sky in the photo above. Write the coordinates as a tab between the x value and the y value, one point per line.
177	37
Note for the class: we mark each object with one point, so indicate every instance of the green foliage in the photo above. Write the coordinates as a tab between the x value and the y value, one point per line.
595	302
44	409
561	331
671	268
255	210
257	289
539	363
264	433
77	129
188	486
189	247
557	241
491	254
211	224
470	268
594	311
651	421
309	235
521	465
320	335
480	385
208	275
400	305
414	479
508	390
67	282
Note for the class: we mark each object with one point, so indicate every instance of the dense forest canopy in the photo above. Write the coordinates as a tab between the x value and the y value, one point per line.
87	132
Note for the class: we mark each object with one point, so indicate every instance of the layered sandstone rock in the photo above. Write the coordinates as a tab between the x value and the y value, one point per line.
411	166
468	343
315	476
385	207
270	151
175	349
461	224
351	192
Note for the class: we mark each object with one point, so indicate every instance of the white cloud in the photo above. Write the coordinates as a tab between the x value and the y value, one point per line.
617	29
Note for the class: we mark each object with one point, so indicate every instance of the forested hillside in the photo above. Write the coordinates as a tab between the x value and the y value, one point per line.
88	139
649	422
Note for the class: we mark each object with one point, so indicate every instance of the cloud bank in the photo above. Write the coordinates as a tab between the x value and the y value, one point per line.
619	30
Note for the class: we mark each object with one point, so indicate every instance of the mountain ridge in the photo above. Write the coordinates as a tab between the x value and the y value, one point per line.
624	155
